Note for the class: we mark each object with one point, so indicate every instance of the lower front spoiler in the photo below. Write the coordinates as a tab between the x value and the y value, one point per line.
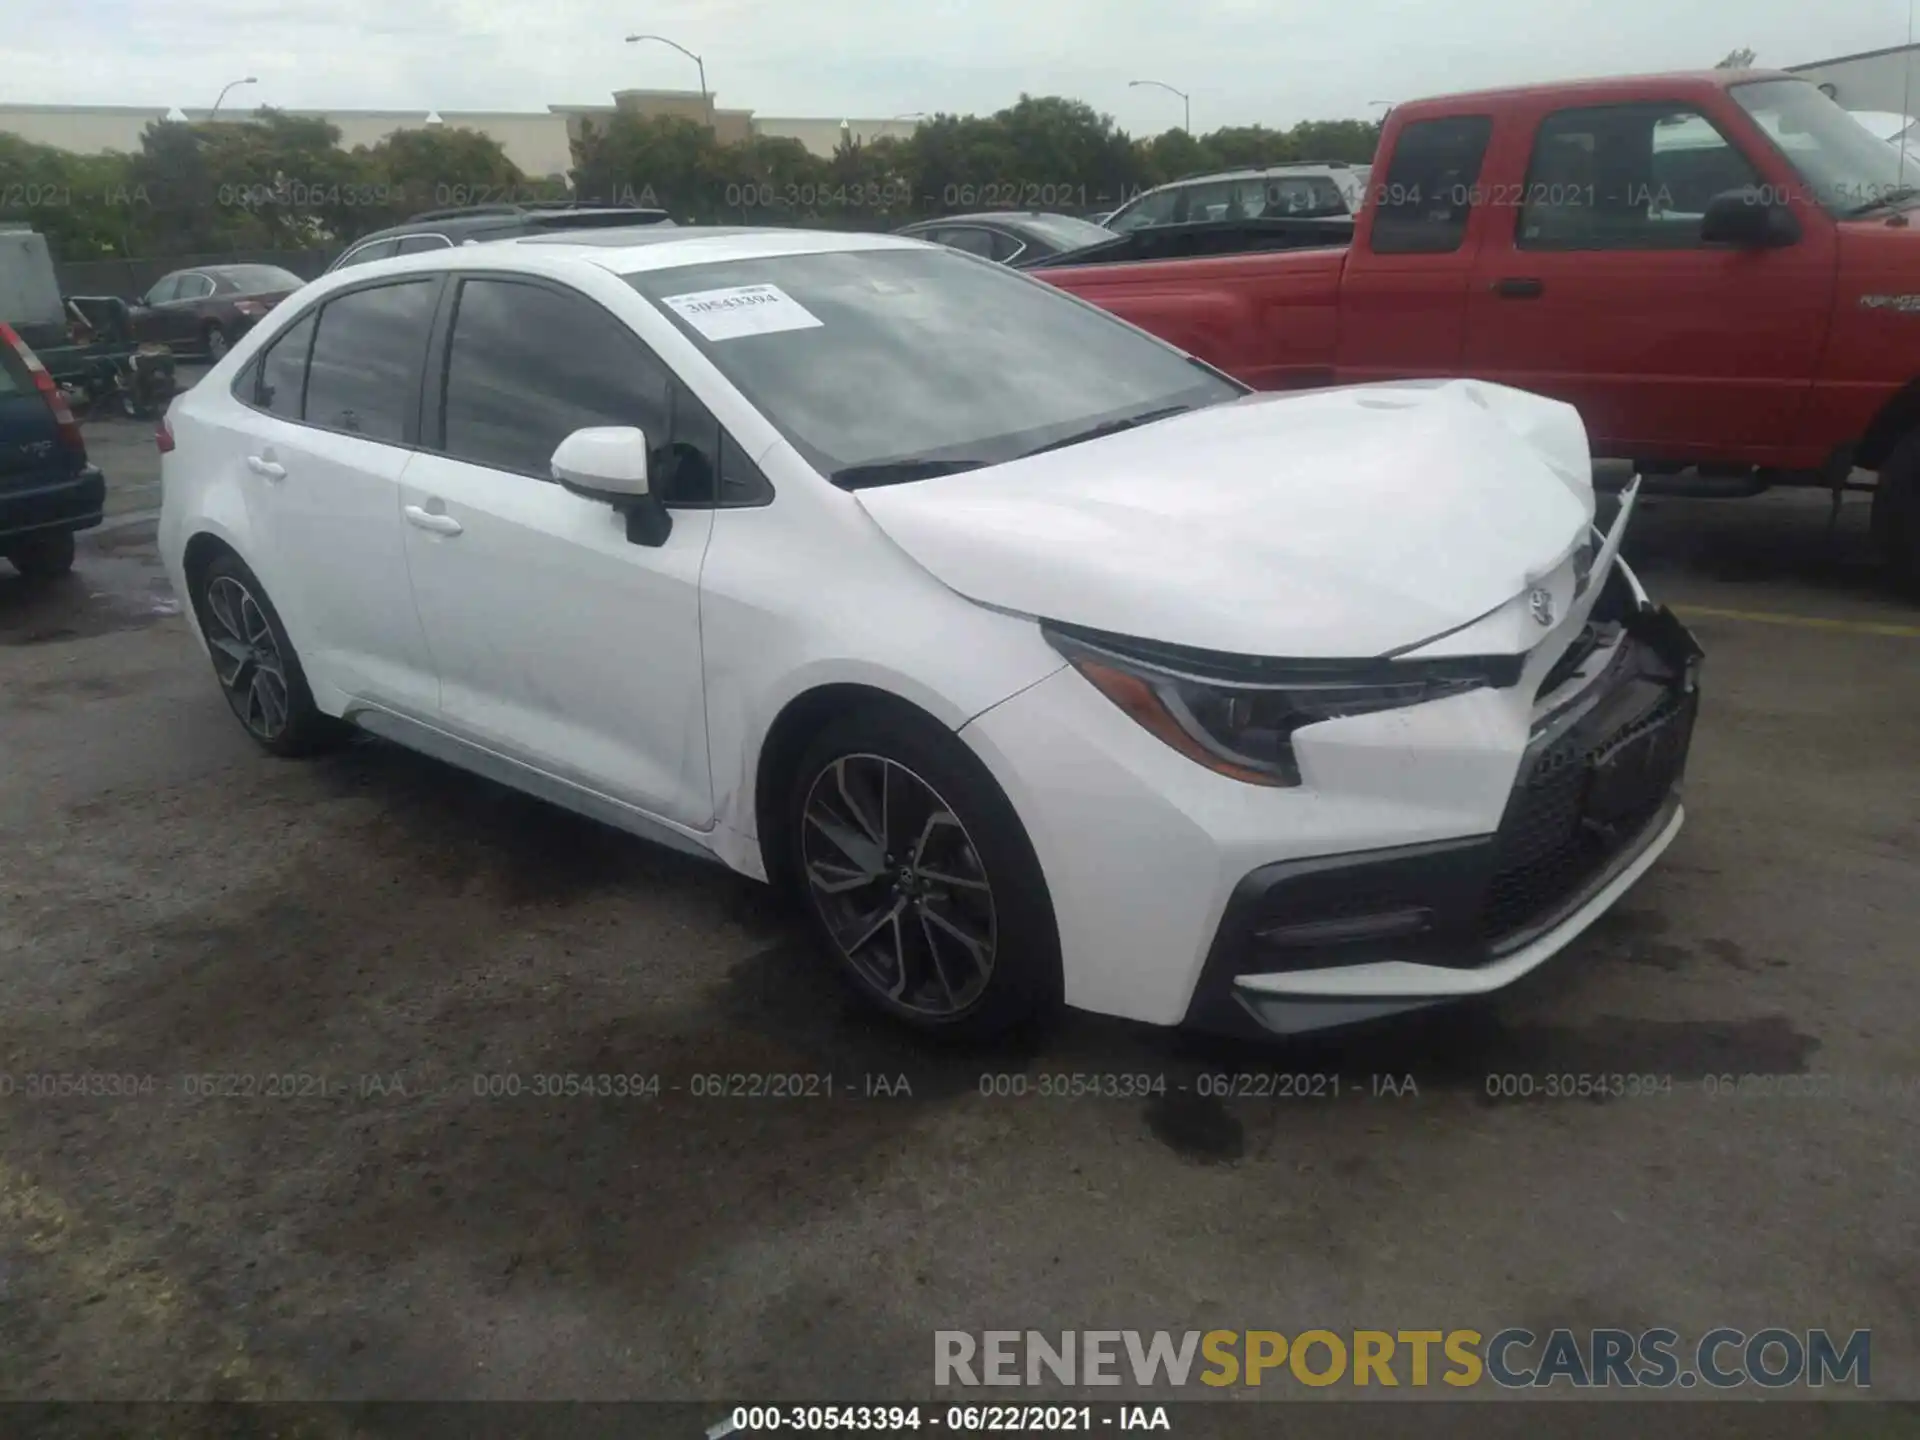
1294	1002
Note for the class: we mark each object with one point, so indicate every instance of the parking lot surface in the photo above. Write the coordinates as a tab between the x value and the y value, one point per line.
328	991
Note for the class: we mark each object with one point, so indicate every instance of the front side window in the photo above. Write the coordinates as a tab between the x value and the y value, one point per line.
367	355
1848	170
195	287
885	365
527	366
1625	177
1307	196
163	290
1156	207
282	382
374	250
1423	206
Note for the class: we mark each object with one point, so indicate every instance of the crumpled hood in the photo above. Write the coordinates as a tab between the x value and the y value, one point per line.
1336	523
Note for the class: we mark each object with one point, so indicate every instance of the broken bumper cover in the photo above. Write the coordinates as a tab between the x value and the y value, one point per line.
1310	944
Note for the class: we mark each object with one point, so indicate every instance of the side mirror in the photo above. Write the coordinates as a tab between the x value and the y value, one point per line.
609	463
1744	219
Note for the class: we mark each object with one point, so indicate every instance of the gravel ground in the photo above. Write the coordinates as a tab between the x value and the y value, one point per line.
395	939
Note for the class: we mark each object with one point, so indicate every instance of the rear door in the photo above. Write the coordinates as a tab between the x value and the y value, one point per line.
1595	287
560	642
1403	296
334	404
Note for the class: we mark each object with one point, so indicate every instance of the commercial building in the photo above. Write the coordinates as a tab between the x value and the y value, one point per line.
539	142
1887	81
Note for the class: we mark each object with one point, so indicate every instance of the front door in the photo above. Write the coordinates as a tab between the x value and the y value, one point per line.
559	642
1595	288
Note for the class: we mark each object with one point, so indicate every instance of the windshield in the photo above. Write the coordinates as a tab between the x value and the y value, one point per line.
1848	170
253	279
926	361
1065	231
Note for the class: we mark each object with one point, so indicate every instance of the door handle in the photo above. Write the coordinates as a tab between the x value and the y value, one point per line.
438	522
1519	288
272	469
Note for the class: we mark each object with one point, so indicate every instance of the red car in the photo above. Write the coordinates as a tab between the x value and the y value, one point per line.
1716	269
200	312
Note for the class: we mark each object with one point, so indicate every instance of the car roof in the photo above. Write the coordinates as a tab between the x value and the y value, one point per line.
1574	93
630	251
1004	217
486	217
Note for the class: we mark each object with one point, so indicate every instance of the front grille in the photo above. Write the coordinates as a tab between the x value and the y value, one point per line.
1559	833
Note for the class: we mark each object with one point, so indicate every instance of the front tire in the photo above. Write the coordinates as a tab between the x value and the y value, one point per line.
255	664
1896	513
919	878
45	556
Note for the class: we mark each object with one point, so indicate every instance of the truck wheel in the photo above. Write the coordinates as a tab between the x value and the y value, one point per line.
45	556
1896	513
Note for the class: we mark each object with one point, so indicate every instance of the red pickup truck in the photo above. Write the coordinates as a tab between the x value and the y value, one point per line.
1716	269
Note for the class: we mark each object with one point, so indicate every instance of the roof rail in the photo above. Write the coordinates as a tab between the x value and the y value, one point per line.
456	212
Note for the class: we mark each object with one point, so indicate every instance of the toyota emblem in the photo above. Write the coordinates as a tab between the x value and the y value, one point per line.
1540	602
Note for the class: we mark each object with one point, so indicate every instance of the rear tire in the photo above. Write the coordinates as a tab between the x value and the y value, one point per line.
216	339
255	664
1896	513
919	879
45	556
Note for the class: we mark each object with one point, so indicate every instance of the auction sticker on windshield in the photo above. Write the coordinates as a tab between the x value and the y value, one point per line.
741	310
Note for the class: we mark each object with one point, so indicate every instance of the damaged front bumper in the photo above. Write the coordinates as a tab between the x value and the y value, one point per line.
1309	944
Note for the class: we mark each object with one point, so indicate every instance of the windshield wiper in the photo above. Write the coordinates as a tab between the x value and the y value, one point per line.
899	472
1108	427
1896	196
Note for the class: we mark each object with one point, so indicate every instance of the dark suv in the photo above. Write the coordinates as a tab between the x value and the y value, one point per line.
48	489
440	229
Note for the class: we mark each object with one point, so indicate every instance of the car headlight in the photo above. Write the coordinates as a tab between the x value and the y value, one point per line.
1237	714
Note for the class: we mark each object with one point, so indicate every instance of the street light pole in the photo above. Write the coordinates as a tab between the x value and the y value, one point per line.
250	80
1186	101
706	99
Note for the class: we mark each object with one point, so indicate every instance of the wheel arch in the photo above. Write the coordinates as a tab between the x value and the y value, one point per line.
1899	416
793	728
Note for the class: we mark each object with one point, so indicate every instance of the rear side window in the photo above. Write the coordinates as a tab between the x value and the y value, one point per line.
527	366
414	244
367	355
376	250
281	383
1423	206
969	238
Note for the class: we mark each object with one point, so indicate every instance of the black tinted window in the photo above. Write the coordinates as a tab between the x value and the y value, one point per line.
690	474
283	371
1423	206
367	356
527	366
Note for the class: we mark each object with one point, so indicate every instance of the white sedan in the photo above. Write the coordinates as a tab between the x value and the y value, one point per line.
1045	662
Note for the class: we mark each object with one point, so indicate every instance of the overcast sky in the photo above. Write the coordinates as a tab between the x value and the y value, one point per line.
1243	61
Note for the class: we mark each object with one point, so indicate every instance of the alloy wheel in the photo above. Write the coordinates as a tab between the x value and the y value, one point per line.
246	658
896	878
216	344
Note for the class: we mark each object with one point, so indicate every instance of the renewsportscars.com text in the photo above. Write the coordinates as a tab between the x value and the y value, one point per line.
1514	1358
